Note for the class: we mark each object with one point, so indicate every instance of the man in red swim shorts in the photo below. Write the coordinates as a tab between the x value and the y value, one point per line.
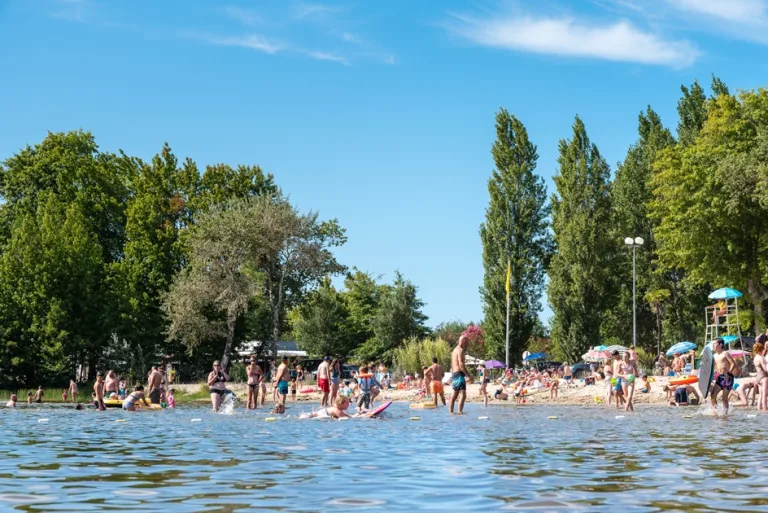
324	379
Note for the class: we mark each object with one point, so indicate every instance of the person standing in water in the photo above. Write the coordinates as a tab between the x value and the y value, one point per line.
217	383
437	381
155	380
254	382
724	365
12	402
459	374
335	379
110	383
98	389
73	390
282	375
324	379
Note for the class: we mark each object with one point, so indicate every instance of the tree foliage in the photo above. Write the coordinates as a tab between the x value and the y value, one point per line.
579	287
515	235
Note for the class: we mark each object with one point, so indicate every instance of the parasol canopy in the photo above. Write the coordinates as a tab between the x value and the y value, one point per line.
725	293
494	364
681	347
535	356
596	356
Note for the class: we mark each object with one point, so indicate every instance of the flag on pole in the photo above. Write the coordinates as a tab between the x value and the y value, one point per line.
509	278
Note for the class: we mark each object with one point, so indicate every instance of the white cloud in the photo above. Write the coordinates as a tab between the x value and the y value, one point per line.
327	56
742	11
245	16
305	10
620	41
350	38
252	41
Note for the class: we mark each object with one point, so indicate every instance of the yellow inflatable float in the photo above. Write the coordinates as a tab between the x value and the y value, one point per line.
422	406
117	403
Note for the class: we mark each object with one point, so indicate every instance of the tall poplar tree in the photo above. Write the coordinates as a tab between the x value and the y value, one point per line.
579	286
514	237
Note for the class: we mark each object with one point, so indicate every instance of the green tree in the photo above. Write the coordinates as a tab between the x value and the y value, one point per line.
398	318
579	287
321	323
514	234
221	183
362	295
158	215
631	194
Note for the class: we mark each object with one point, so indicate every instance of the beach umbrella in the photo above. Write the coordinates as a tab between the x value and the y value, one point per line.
600	348
595	356
725	293
494	364
620	349
738	353
728	339
681	347
535	356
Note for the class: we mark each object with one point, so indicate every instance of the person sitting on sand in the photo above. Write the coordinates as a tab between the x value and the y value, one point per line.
12	401
646	388
135	396
337	411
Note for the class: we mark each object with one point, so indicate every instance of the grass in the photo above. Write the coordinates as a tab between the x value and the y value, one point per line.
50	395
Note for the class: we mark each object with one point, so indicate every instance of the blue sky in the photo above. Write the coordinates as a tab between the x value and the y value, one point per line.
380	114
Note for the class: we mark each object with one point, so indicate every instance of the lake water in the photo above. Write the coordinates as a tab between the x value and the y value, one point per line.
517	459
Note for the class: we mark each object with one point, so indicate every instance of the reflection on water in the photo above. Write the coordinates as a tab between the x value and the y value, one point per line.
518	459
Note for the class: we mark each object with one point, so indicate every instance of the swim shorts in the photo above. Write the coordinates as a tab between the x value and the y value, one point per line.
325	387
459	382
282	387
154	396
724	381
681	395
437	387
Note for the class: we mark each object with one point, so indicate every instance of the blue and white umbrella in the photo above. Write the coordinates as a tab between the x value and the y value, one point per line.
681	347
725	293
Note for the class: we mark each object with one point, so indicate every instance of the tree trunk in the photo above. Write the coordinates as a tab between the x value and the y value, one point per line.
658	326
757	293
231	320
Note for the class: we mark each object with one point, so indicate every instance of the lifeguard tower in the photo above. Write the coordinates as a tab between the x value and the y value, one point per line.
722	318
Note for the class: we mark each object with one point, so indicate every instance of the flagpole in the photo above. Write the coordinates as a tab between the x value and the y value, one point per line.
506	286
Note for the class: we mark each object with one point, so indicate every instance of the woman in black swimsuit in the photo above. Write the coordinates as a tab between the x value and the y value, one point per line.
217	380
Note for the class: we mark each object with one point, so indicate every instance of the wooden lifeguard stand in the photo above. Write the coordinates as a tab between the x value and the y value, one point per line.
722	318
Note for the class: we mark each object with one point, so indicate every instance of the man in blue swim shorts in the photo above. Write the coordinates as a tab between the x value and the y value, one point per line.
724	367
282	380
459	373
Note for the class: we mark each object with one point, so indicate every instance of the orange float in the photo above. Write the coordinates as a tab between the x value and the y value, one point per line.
684	380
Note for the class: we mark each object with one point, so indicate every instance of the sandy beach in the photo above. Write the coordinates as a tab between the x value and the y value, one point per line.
577	394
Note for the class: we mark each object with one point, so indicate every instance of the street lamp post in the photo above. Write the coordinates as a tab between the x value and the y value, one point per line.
634	244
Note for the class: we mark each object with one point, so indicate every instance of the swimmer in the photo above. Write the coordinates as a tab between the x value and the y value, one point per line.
335	379
427	386
281	376
459	374
437	383
137	394
253	371
12	401
73	390
39	395
723	381
324	380
171	400
98	390
679	395
217	380
483	383
762	371
337	411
